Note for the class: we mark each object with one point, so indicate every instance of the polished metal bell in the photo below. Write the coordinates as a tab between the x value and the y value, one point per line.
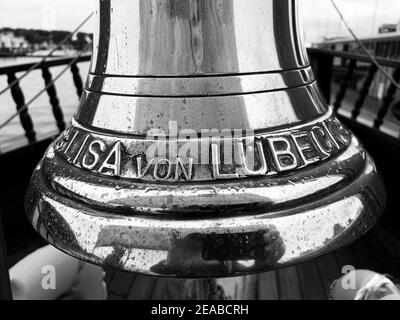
202	147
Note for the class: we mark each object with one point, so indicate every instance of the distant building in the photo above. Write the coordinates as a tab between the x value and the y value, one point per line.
11	45
9	40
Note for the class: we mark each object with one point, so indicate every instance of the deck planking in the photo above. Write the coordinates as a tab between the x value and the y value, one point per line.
268	286
289	284
328	271
311	285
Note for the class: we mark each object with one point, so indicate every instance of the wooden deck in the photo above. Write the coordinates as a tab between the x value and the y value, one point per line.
377	251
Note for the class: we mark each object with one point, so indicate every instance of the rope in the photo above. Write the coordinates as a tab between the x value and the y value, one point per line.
364	48
3	124
48	55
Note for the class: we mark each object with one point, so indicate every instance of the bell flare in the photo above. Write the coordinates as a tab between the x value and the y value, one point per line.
198	224
202	147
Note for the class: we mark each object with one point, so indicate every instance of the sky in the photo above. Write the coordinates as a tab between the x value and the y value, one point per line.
318	16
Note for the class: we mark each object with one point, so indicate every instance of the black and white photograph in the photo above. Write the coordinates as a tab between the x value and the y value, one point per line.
202	156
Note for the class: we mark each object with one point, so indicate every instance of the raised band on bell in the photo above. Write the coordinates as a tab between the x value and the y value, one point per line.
254	151
275	152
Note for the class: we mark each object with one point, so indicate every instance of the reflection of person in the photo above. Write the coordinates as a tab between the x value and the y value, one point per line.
215	254
364	285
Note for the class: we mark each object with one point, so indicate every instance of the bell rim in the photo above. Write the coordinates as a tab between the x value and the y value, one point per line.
202	194
349	225
129	197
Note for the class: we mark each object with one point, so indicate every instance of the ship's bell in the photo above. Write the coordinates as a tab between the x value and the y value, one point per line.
202	147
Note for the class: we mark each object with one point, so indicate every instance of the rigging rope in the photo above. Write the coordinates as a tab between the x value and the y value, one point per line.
3	124
48	55
364	48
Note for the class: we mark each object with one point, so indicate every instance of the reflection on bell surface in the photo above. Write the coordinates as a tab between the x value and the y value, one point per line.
202	147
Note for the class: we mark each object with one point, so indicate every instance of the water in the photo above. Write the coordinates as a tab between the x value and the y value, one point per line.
40	110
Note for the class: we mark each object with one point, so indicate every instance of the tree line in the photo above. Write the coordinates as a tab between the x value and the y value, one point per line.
37	36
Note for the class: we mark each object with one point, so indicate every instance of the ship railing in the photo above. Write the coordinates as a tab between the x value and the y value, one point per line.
49	86
18	96
359	92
